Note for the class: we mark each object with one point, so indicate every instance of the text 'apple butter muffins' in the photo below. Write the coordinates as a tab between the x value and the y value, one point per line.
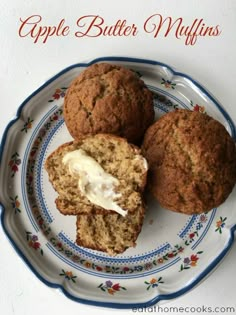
107	98
192	161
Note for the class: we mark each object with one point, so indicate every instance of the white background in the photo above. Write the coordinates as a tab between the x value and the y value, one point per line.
24	66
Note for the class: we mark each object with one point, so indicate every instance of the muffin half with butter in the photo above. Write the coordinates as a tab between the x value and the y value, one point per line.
101	179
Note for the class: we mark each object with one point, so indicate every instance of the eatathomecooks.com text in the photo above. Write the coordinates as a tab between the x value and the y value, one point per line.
156	25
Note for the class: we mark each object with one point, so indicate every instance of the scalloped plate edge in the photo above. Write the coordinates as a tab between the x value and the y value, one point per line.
158	298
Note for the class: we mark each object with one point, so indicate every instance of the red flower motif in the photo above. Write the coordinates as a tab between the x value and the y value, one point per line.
14	168
56	96
199	108
40	221
170	255
126	269
59	244
13	163
36	245
98	268
194	258
116	287
191	235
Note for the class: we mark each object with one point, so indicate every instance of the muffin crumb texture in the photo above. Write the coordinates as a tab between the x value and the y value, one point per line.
109	233
123	161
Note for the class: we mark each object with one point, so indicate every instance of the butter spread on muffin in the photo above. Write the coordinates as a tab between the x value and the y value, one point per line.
114	157
113	172
94	183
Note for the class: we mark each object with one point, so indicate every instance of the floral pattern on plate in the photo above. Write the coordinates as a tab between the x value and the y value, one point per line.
110	287
34	225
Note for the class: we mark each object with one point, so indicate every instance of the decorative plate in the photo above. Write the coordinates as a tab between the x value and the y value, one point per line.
174	252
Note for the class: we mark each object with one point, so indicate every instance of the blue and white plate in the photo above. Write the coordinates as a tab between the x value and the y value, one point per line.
174	252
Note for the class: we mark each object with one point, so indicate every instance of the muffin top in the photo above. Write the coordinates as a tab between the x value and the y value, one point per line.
107	98
192	161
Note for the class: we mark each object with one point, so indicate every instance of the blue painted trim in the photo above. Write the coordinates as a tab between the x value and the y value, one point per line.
39	166
169	96
106	259
24	168
149	303
110	274
188	226
158	298
205	231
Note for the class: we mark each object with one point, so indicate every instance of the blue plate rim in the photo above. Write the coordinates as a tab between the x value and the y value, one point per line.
158	298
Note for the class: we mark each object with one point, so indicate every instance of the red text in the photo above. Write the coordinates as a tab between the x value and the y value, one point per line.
93	26
32	27
156	23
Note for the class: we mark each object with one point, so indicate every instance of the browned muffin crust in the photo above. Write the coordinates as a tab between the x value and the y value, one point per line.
107	98
192	161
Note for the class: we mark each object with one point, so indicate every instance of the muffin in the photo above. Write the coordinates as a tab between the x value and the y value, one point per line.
107	98
101	179
98	174
192	161
109	233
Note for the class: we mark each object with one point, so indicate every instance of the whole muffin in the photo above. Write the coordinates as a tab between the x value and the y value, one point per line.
192	161
107	98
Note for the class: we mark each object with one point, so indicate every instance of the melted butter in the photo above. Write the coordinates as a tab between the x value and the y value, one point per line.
94	183
142	159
